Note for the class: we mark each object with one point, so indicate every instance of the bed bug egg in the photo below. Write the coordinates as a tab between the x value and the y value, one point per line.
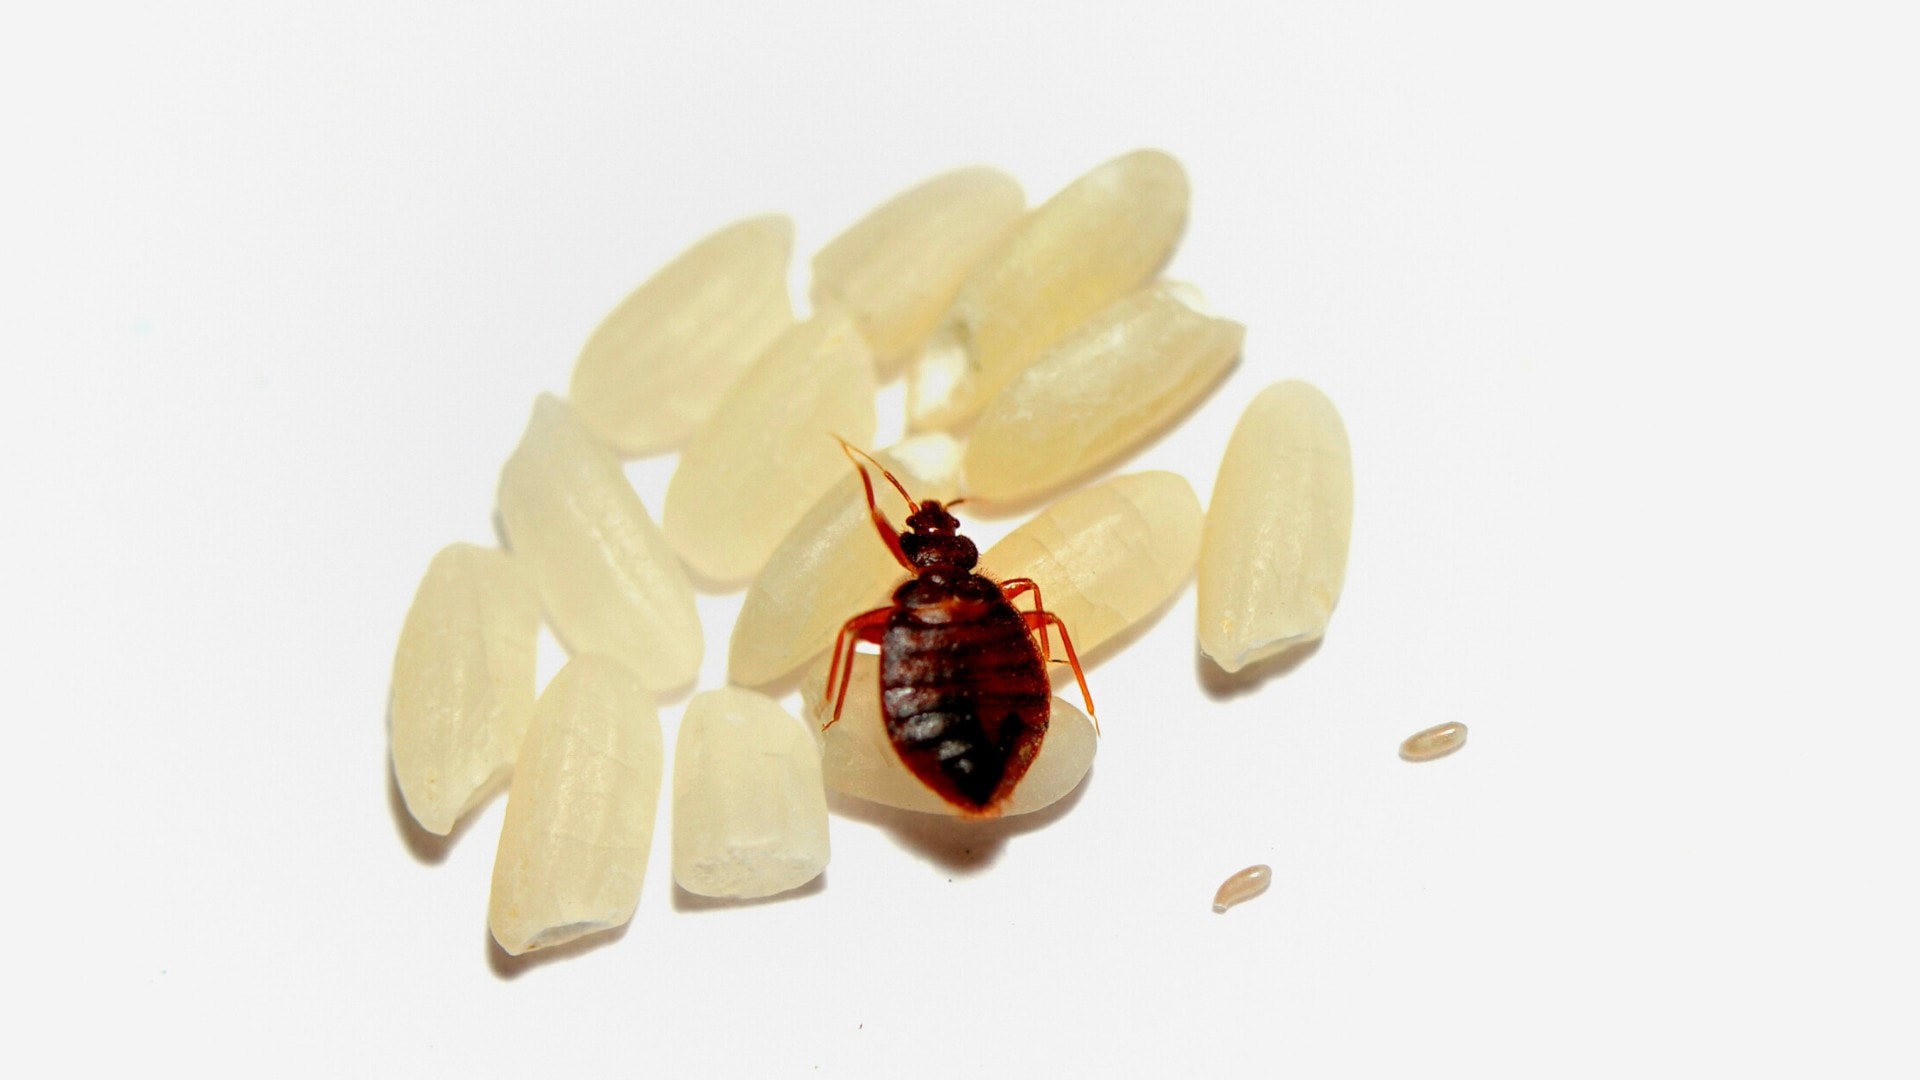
1435	742
579	823
609	582
463	681
1242	886
896	270
1095	241
658	365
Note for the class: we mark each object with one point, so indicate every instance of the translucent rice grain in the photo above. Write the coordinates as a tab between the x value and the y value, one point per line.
749	810
768	452
832	564
857	758
1434	742
1096	241
579	823
1106	557
1242	887
609	582
1104	389
462	682
659	364
1274	554
896	270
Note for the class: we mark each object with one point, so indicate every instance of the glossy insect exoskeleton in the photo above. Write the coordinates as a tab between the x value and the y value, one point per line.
963	673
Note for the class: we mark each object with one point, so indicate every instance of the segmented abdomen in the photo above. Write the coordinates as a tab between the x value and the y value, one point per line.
966	700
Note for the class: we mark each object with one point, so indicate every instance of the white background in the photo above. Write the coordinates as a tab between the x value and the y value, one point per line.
1619	307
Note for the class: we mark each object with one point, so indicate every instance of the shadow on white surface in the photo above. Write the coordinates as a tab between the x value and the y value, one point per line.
954	844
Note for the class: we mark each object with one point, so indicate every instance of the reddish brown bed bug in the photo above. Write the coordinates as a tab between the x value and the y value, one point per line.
963	680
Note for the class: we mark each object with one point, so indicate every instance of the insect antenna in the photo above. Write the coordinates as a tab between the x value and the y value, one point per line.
912	506
887	532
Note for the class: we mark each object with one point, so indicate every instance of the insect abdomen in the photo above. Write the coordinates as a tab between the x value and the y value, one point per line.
966	699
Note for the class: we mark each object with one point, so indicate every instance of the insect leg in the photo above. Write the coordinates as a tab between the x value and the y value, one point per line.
1013	587
1039	619
870	627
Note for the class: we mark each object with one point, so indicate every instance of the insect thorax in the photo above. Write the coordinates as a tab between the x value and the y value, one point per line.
936	552
941	596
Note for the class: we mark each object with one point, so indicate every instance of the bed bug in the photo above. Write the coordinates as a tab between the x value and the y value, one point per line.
963	673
